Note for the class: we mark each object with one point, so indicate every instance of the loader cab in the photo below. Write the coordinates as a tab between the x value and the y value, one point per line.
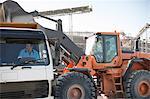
24	74
104	47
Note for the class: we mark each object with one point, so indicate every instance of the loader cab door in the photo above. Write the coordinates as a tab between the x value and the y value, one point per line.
110	48
103	48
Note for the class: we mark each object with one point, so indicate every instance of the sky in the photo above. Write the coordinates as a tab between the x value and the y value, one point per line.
127	16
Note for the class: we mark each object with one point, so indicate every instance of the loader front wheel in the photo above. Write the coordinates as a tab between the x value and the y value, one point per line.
74	85
138	85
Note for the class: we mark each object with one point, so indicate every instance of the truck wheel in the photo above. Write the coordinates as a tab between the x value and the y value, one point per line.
138	85
74	85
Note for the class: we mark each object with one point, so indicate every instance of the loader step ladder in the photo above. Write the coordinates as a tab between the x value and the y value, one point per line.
118	87
98	84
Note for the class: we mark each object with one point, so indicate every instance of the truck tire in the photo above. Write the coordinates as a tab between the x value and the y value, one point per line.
74	85
138	85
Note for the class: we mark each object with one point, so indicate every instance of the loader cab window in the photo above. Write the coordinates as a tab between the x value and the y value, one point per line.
110	47
102	47
98	49
94	46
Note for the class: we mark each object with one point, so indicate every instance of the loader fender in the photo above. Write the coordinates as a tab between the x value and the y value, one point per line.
79	70
129	66
84	71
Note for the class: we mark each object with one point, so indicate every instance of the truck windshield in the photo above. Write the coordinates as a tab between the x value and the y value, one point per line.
13	50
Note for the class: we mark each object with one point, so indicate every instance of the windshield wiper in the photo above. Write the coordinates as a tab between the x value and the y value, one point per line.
14	66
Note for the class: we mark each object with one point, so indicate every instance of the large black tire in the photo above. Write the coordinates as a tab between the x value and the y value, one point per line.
137	85
74	85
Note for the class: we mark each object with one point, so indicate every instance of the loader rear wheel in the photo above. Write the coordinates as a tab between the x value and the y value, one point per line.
74	85
138	85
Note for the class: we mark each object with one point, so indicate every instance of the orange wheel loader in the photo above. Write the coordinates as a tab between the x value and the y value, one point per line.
115	72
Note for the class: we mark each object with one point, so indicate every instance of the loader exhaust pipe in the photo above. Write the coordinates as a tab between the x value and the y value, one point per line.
137	44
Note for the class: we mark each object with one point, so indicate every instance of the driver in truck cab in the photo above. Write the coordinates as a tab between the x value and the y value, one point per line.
29	52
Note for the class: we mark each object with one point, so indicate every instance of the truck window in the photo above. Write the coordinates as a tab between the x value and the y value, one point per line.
11	50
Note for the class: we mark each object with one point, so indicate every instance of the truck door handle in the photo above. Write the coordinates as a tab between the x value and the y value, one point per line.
26	67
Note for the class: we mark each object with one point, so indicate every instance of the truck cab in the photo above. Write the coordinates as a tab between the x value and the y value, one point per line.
25	76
